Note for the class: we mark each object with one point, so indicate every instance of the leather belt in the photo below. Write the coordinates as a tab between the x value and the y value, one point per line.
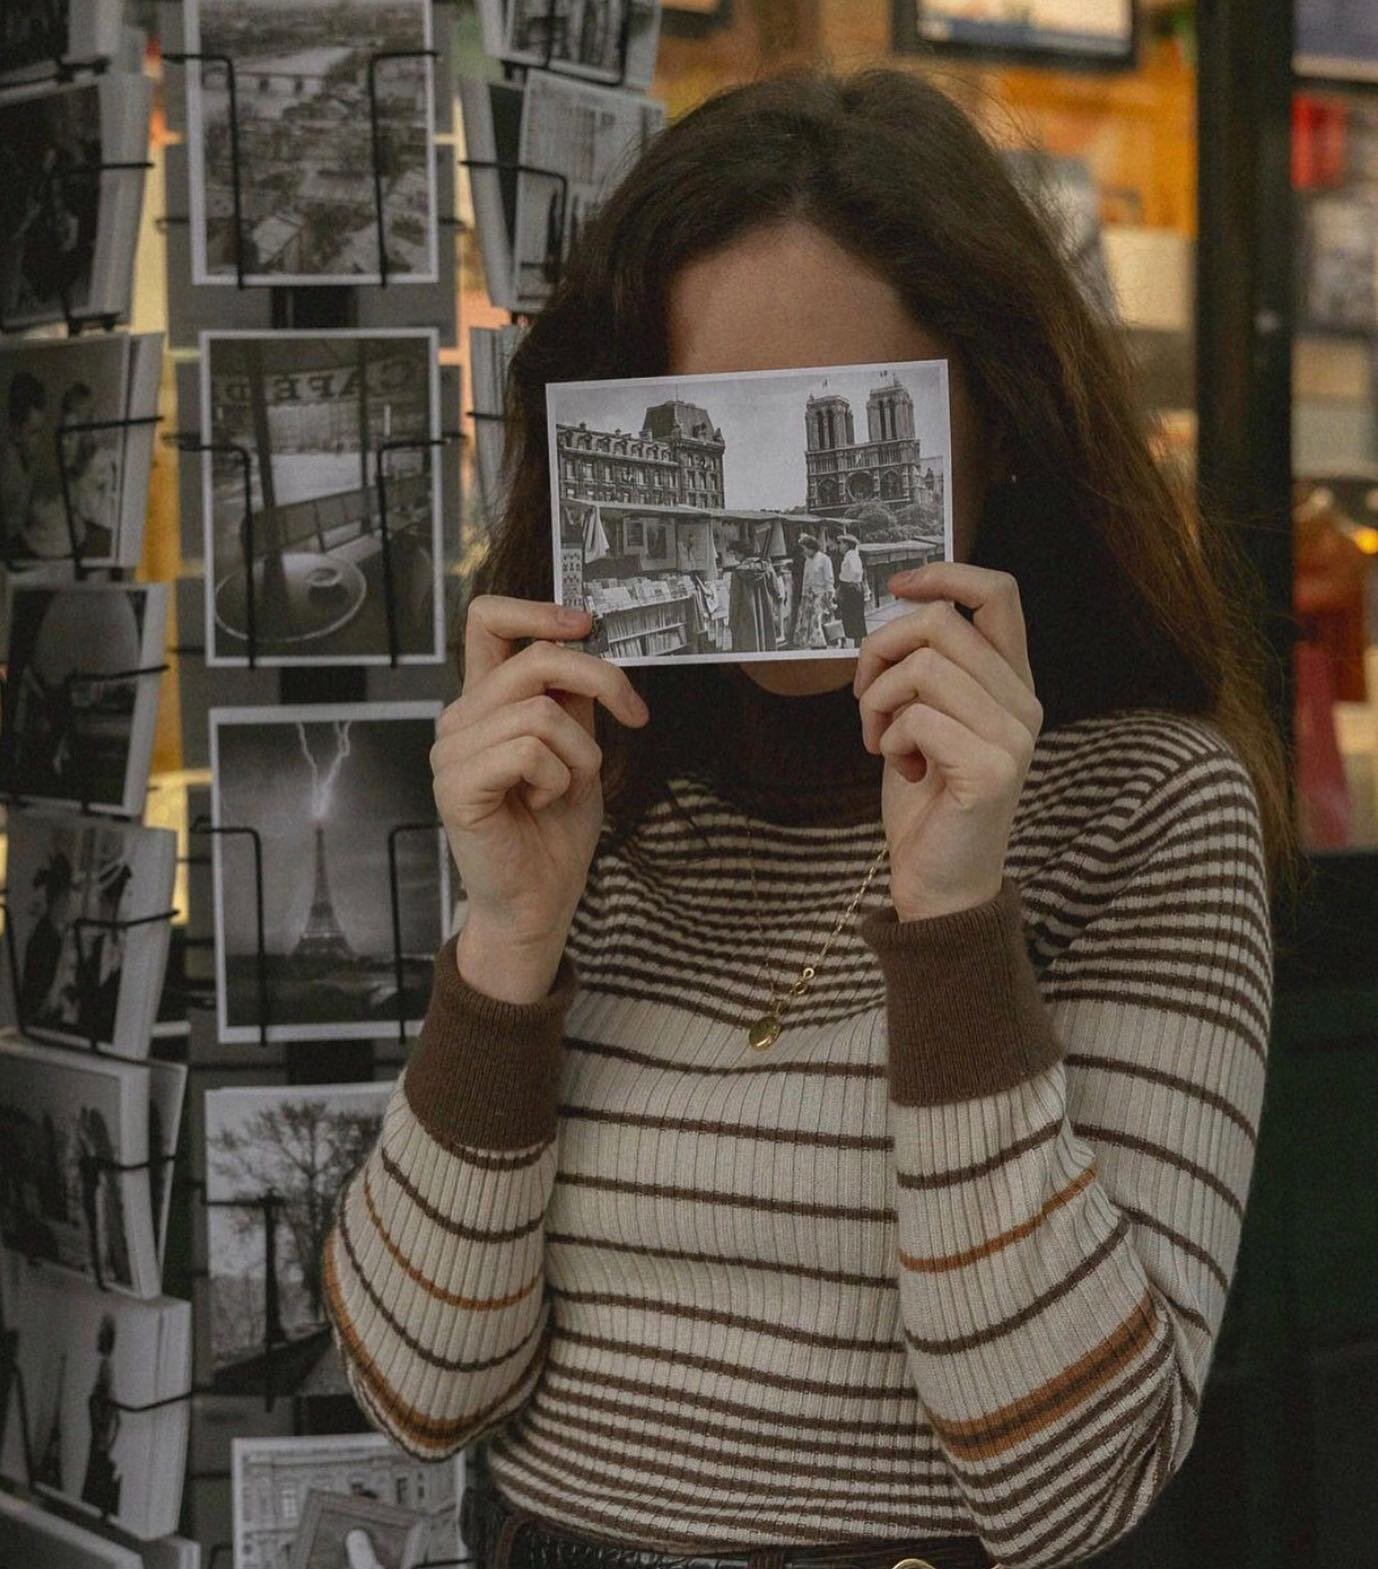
502	1536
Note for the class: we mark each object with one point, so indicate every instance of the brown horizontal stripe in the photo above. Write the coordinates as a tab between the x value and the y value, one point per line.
940	1263
1122	967
426	1353
952	1345
677	1357
1185	1243
649	1395
840	1277
703	1196
738	1009
955	1175
447	1223
793	937
1172	1081
670	1415
653	966
781	1467
400	1414
984	1437
1173	965
1071	1474
699	1313
1076	991
1155	1151
1192	808
813	1068
1088	1532
1030	1481
450	1298
707	1524
799	1138
497	1160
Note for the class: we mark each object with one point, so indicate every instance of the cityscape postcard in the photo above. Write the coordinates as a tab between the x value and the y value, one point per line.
745	516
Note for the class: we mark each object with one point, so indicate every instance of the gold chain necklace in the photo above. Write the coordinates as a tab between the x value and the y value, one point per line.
766	1030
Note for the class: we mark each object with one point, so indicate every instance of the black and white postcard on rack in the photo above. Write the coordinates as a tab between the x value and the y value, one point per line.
84	663
89	906
335	131
84	1353
58	1110
73	474
298	1502
612	41
757	515
302	1143
355	870
346	561
573	141
71	191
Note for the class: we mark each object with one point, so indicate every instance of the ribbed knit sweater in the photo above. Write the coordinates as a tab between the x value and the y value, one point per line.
949	1258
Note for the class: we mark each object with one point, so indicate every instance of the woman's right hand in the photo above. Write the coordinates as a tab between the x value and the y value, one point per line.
518	786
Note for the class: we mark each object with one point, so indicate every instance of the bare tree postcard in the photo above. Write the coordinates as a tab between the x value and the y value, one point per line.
758	515
300	1144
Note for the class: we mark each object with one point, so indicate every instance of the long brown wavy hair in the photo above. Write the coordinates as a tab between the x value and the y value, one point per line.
1131	598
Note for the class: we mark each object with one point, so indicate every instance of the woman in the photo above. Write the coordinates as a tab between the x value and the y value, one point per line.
830	1130
815	596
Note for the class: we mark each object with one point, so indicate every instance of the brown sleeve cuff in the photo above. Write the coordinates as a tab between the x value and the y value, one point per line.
485	1074
965	1015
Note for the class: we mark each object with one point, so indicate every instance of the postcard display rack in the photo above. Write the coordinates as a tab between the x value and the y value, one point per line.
286	389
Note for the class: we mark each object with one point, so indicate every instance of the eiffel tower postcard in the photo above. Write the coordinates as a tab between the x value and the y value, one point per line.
355	882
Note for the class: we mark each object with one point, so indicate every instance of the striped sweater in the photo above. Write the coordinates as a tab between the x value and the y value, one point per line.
948	1258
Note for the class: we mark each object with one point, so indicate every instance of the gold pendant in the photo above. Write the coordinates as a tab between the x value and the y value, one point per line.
765	1032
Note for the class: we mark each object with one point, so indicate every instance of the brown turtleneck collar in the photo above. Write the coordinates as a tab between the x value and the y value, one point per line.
797	760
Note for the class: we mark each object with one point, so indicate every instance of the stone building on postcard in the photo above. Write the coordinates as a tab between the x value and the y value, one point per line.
886	466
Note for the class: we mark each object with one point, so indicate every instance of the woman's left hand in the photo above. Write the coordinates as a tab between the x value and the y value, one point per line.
950	704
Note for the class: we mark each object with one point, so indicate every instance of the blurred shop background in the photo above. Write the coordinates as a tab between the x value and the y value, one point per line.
1218	167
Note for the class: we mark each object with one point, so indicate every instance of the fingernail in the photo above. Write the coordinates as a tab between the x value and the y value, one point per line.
570	617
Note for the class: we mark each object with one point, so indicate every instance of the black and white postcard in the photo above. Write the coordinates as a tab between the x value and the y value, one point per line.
490	354
61	1112
84	663
73	479
332	1502
71	190
750	516
316	415
84	900
37	33
339	796
83	1354
316	148
301	1143
574	141
612	41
